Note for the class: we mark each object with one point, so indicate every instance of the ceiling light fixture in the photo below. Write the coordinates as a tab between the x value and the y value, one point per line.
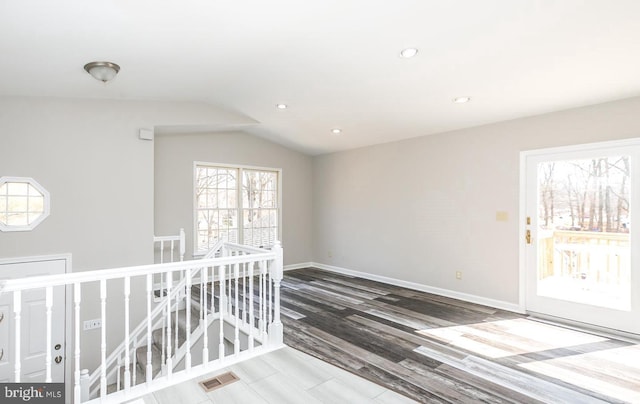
103	71
408	53
336	131
461	100
282	106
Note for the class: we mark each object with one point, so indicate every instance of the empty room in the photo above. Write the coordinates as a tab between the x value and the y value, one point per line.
320	202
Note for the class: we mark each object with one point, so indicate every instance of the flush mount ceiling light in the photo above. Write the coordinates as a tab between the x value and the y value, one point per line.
461	100
282	106
103	71
336	131
408	53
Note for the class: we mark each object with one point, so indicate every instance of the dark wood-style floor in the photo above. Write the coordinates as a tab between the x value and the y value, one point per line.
436	349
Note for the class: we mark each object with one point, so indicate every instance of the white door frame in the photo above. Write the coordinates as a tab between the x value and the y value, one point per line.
68	335
522	227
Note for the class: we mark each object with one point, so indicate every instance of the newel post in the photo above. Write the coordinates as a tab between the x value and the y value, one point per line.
276	333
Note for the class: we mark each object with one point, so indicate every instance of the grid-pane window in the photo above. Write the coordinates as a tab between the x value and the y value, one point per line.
236	204
23	204
216	206
260	207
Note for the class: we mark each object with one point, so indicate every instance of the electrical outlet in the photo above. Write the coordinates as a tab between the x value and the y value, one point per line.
458	274
92	324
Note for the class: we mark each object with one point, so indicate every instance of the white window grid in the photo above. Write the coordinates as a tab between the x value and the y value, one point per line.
236	203
24	203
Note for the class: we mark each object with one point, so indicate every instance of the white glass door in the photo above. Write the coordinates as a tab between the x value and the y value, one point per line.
581	254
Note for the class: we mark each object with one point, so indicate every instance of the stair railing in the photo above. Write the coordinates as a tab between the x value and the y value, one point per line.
252	333
158	317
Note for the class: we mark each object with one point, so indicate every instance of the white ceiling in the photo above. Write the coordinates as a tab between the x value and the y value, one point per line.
334	62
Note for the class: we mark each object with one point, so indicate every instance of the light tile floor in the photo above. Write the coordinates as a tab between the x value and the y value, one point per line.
280	377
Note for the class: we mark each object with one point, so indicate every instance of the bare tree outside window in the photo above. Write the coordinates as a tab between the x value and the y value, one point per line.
236	204
585	195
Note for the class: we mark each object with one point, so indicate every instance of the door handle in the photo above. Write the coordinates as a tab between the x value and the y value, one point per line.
528	236
58	359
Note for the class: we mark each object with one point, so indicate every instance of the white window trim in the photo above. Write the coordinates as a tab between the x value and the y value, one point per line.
46	203
240	167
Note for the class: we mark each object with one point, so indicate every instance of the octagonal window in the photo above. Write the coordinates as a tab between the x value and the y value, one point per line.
24	204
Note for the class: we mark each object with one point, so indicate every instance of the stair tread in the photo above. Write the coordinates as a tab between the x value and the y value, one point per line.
156	359
140	378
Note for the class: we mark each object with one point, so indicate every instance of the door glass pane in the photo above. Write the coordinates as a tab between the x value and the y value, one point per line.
584	230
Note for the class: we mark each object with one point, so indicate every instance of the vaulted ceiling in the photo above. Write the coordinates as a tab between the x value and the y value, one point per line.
334	63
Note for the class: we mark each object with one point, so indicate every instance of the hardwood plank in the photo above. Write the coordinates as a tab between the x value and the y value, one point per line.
436	349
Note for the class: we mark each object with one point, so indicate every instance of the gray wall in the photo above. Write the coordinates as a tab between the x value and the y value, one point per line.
419	210
174	157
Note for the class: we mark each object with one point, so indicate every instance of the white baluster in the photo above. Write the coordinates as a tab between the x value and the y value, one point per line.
203	310
270	285
187	359
169	354
134	362
17	311
263	303
183	245
202	286
103	338
172	242
162	251
229	292
77	390
236	341
245	315
251	319
127	351
118	380
149	369
275	327
177	317
49	305
222	283
163	357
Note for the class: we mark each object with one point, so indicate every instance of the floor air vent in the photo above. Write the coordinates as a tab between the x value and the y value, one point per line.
219	381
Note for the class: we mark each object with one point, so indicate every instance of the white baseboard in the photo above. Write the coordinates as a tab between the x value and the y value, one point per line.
297	266
498	304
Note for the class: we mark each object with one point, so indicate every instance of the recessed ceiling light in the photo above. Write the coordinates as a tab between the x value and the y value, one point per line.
281	106
461	100
336	131
408	53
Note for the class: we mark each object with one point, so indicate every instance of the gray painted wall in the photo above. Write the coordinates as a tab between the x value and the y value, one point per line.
174	157
419	210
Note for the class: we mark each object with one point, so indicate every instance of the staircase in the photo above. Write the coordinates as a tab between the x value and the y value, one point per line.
239	287
160	337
